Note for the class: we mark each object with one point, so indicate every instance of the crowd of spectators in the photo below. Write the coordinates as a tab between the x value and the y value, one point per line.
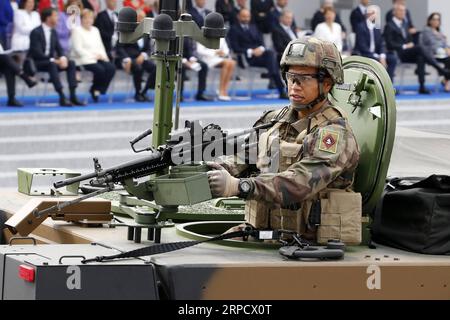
74	36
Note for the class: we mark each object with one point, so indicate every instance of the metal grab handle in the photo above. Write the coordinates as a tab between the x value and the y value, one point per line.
65	257
139	138
320	253
22	238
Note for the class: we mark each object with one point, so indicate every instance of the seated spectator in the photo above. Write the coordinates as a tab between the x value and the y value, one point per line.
399	40
88	51
369	41
408	21
260	10
199	12
275	13
435	43
319	15
93	5
225	8
48	56
11	69
67	20
191	61
358	14
25	20
6	19
134	58
330	30
283	32
219	58
390	13
105	23
247	40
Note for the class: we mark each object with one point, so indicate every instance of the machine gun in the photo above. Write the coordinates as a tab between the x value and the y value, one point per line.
161	158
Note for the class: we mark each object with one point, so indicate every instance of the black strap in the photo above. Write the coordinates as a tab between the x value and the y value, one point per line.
167	247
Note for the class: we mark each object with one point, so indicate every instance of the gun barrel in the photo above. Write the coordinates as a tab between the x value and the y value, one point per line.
123	170
63	183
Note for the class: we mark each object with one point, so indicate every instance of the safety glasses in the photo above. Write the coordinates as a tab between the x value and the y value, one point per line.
300	79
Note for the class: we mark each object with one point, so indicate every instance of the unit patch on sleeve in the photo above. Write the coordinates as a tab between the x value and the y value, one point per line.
328	141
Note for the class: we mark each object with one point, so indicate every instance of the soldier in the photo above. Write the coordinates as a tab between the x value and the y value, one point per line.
317	155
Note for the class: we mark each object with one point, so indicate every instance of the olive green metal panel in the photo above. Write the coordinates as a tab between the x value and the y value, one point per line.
181	188
368	98
26	177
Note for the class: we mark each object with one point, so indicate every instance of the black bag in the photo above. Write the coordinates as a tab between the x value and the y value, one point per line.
414	215
29	67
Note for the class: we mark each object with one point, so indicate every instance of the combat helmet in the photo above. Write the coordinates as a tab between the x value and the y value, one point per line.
312	52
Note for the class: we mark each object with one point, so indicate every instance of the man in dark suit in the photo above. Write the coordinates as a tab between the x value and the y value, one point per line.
48	56
276	12
319	17
358	14
369	42
105	22
260	10
408	20
199	12
399	40
134	58
10	70
283	32
192	62
247	40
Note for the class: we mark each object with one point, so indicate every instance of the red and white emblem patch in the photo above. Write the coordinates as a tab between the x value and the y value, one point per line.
329	141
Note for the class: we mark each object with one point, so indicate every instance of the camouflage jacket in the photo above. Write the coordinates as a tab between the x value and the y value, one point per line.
325	156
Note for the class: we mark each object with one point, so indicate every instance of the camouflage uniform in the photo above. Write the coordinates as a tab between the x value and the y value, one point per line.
317	158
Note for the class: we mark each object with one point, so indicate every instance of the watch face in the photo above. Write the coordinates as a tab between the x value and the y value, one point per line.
245	186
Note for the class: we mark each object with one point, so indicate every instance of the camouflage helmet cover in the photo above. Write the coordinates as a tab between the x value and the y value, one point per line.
312	52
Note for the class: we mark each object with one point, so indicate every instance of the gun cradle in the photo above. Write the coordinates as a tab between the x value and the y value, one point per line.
89	211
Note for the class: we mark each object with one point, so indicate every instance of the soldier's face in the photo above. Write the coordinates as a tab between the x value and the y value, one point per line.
304	88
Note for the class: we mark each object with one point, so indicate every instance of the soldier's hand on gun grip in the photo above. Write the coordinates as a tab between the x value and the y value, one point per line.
222	183
214	165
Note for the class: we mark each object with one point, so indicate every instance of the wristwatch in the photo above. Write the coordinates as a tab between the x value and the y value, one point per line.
245	188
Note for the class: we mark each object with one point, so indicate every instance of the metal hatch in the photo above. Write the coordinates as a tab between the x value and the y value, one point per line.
368	98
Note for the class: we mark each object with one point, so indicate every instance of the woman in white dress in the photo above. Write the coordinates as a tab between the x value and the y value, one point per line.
219	58
330	30
88	51
25	20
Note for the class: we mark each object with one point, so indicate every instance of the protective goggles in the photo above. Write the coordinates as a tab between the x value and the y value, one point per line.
300	79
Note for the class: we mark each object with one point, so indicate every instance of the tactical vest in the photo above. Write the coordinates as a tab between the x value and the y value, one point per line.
331	214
